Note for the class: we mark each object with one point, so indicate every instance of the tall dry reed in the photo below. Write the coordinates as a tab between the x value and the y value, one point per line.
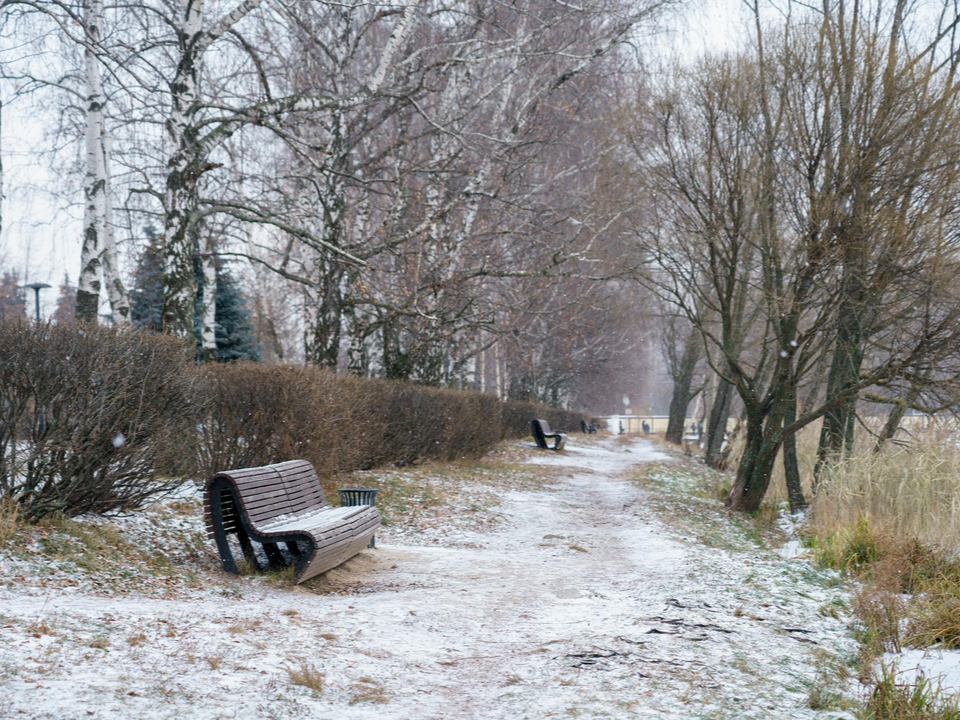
903	492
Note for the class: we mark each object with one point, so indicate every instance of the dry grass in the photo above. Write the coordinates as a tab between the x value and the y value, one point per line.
306	675
367	690
935	615
39	627
913	492
10	520
244	626
99	643
894	700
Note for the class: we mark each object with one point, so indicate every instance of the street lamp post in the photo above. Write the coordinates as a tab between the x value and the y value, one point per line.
36	287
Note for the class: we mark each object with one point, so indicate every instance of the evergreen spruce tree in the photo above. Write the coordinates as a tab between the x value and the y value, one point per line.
13	302
236	339
146	298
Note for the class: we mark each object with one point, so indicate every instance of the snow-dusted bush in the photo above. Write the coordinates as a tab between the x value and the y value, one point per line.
91	419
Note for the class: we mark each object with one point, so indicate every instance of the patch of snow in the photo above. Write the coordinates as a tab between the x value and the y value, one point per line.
938	666
789	524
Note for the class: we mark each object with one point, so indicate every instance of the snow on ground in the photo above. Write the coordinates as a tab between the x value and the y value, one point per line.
567	599
940	667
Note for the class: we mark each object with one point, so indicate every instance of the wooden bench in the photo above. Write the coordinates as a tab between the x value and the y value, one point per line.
542	433
284	503
587	429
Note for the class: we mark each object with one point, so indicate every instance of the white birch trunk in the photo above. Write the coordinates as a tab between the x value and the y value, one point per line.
119	299
188	161
88	290
498	362
180	197
482	368
399	35
472	191
208	307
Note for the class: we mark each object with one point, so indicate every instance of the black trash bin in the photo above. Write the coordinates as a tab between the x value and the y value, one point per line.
350	497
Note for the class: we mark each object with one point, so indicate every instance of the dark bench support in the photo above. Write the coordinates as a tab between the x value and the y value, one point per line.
588	429
542	434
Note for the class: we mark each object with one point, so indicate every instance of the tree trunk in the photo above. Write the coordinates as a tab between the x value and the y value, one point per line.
184	169
900	407
208	306
325	322
1	166
851	428
844	375
682	380
756	466
717	423
892	425
791	465
88	285
119	298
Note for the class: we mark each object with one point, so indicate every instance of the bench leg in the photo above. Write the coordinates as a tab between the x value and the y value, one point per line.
294	549
247	547
274	555
223	546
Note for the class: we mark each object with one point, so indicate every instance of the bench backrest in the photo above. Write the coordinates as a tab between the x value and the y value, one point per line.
273	490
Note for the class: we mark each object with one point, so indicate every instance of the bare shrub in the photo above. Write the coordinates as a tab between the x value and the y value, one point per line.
91	419
259	414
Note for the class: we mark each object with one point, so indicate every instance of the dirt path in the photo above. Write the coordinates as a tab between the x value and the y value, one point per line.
580	604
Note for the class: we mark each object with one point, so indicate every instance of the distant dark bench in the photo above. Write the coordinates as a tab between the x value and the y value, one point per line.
588	429
542	433
284	503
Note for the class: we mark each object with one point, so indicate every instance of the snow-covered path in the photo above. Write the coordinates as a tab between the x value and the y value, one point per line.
580	604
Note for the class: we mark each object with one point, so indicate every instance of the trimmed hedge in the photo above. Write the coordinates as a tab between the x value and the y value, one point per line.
259	414
93	419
